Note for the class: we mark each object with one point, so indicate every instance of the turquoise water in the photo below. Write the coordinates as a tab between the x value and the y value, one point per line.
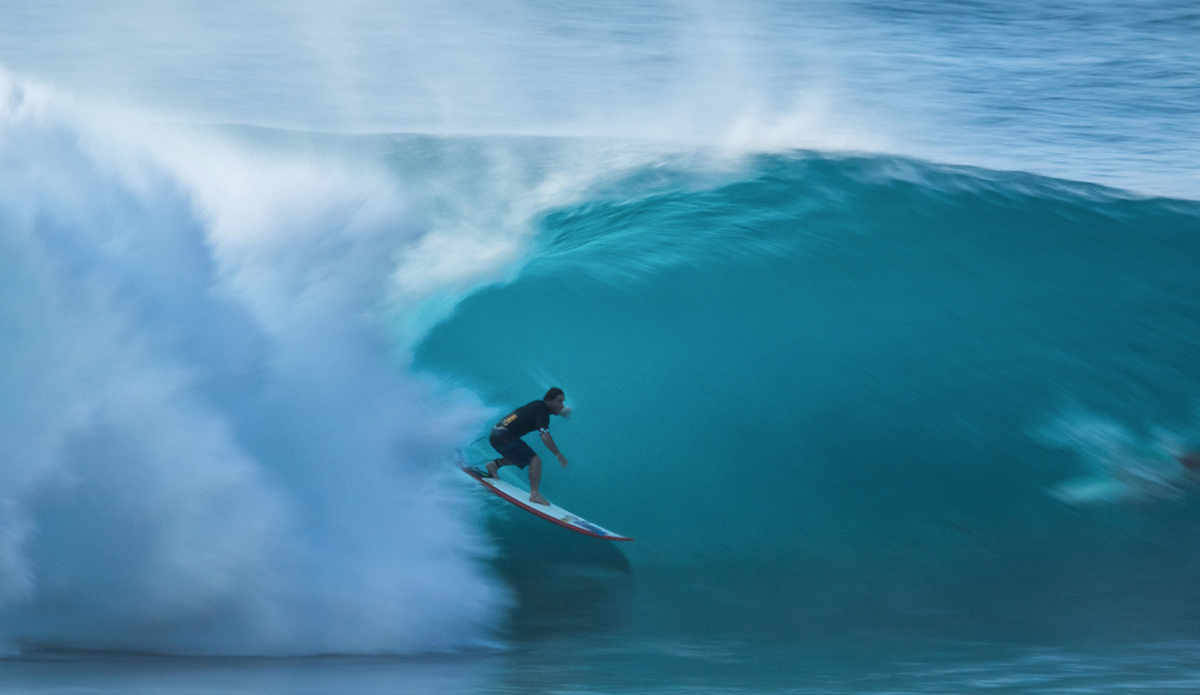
647	668
848	388
878	324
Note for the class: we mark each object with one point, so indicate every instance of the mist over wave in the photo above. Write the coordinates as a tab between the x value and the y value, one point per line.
208	445
1097	92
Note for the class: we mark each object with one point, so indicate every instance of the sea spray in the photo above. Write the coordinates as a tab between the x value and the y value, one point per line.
208	446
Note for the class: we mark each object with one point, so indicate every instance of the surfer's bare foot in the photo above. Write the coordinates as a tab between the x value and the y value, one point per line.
492	467
537	498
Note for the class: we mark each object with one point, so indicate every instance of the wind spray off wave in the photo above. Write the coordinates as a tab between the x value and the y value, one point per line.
204	436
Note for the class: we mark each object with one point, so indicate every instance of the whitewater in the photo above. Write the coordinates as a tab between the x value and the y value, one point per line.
878	322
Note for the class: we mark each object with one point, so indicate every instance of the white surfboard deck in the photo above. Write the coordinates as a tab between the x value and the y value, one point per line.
549	512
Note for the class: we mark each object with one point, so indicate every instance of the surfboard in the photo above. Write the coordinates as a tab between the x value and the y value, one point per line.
554	514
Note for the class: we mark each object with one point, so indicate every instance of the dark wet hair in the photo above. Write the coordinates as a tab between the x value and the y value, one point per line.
552	394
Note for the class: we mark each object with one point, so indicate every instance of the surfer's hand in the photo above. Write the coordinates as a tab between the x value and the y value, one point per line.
563	460
565	412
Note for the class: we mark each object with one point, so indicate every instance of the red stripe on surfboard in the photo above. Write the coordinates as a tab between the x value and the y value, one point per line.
533	510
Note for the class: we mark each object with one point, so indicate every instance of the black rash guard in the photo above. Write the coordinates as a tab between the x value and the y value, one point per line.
529	417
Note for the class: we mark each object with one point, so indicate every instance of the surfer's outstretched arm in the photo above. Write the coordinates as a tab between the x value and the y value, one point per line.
549	442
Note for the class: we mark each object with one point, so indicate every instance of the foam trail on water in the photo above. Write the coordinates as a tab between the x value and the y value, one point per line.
205	446
1121	466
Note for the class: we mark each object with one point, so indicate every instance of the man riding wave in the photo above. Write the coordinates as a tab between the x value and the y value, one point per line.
506	439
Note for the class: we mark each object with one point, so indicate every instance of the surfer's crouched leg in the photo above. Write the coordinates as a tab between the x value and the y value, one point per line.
492	466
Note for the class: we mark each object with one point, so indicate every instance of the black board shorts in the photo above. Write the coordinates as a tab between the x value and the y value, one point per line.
511	447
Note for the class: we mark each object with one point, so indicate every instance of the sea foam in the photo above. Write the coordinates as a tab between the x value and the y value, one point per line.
208	446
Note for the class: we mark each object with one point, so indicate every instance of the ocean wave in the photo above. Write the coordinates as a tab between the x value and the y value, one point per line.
846	367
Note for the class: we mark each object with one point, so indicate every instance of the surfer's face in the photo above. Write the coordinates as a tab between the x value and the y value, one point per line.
556	405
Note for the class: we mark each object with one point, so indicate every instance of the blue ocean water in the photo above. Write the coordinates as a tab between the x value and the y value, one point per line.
878	322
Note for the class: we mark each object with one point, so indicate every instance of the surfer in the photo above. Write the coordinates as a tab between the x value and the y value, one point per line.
506	439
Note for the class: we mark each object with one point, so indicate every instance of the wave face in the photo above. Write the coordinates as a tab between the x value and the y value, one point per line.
207	444
865	386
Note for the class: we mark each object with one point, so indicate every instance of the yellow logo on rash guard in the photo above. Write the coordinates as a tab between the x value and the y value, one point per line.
508	420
